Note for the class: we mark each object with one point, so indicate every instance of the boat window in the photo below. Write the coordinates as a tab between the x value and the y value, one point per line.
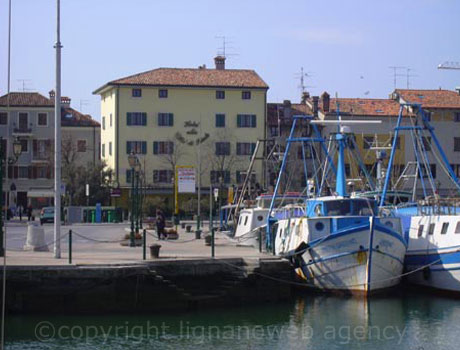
318	209
363	207
431	229
260	218
241	218
457	228
338	207
444	228
420	231
246	220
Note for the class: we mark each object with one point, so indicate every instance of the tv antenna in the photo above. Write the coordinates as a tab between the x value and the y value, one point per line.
84	103
223	50
301	76
25	83
408	76
396	70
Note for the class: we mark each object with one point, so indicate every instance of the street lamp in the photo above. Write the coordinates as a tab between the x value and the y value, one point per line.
17	150
132	160
137	169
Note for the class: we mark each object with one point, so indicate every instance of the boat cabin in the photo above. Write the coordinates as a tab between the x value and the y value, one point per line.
341	206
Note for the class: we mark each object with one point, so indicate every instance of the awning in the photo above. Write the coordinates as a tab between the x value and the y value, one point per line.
40	193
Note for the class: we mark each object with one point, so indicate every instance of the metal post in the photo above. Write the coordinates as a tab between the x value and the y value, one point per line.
70	246
131	234
260	240
213	249
2	248
57	140
144	243
137	202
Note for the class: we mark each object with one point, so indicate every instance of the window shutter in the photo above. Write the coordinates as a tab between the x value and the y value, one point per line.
155	147
48	173
227	148
144	147
15	172
34	172
253	148
128	118
227	176
171	119
144	118
253	124
30	172
238	120
48	145
128	147
238	148
155	176
171	148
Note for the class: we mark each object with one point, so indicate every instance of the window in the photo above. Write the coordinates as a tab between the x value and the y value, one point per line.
43	172
136	118
456	169
42	119
444	228
103	123
220	176
165	119
138	147
431	229
129	178
136	92
456	144
222	148
273	131
426	142
432	170
246	220
220	120
245	148
23	119
41	149
110	119
246	121
81	145
163	176
220	95
241	175
457	228
428	116
368	141
103	149
163	93
420	231
110	148
457	117
163	147
246	95
23	172
3	118
24	145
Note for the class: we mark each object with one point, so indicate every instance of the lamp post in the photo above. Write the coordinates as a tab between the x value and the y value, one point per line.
132	159
17	150
137	169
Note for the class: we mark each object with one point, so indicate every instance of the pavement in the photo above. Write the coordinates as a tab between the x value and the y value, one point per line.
96	244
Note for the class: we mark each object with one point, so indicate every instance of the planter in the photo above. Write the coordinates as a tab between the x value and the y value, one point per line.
182	225
172	236
126	242
198	234
188	228
208	240
155	251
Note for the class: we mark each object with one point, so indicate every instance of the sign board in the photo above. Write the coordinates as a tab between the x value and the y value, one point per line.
216	194
185	179
115	192
63	189
87	190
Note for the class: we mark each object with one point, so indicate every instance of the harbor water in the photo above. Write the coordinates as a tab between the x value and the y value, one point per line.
408	321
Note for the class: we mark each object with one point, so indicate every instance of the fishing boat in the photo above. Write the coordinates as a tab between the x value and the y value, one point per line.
432	224
337	242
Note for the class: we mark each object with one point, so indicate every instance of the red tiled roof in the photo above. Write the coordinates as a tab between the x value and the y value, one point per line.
234	78
363	107
34	99
26	99
431	98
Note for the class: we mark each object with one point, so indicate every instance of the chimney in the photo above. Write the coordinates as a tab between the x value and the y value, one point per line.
315	106
220	62
458	89
325	98
305	97
52	94
65	101
287	109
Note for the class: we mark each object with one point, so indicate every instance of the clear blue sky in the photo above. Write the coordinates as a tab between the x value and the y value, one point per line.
347	46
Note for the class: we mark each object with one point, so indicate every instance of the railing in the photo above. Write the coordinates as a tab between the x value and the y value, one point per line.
22	130
438	206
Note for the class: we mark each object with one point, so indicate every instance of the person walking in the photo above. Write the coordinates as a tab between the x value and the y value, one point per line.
160	221
29	212
20	212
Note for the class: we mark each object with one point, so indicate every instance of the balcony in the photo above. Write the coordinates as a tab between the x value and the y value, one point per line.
22	131
41	157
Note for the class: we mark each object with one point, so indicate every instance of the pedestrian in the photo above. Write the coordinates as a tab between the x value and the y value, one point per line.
160	221
29	212
20	212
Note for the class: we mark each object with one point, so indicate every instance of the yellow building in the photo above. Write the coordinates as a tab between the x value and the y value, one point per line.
183	117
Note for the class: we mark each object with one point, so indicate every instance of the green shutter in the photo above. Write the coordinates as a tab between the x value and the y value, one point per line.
128	118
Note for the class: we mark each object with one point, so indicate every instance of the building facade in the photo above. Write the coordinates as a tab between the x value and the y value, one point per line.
206	118
29	117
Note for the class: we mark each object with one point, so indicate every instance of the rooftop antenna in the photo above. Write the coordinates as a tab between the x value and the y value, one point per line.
223	50
302	77
396	73
24	83
408	76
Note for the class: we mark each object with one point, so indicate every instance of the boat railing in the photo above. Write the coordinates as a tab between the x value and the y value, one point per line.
434	205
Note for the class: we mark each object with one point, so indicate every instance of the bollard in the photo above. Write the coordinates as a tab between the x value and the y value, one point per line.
260	240
70	246
144	243
212	244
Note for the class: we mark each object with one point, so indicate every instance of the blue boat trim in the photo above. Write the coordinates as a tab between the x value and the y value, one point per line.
392	233
435	259
432	249
341	255
371	248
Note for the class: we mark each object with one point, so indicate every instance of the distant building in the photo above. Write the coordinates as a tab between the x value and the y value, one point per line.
164	114
30	118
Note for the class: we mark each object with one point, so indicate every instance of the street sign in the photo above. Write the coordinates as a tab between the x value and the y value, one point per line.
216	194
186	179
62	188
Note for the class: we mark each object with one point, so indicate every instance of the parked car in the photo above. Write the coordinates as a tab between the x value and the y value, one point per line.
47	215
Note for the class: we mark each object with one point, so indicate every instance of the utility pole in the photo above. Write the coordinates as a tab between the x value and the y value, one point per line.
57	140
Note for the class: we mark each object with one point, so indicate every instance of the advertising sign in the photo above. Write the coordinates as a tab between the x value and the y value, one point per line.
186	179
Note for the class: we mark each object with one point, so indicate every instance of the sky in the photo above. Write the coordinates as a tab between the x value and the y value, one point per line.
344	47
